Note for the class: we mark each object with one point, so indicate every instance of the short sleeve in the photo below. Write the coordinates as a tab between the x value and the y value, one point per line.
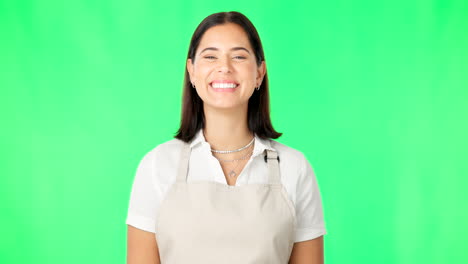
309	212
144	197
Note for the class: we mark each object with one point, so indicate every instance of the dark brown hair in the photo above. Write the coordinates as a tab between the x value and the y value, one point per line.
193	117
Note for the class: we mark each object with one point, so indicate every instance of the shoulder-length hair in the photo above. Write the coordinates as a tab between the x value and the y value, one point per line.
258	113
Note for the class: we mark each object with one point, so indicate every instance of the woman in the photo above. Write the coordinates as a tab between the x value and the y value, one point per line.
223	191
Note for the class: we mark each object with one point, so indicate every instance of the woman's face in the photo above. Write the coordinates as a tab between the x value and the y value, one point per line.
224	72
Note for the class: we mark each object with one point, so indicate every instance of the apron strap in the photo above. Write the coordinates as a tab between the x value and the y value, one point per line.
184	162
272	159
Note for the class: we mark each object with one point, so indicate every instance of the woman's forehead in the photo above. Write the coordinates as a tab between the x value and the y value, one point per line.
225	36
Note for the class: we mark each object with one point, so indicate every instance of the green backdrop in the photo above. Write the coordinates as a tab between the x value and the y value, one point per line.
373	92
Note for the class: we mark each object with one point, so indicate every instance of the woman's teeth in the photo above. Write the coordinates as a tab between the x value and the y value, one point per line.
224	85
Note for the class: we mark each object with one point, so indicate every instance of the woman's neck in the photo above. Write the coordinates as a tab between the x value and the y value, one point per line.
226	129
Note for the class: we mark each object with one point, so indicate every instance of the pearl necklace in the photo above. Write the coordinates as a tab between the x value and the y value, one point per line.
232	151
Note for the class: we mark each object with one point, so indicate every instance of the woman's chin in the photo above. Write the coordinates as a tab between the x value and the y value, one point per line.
224	105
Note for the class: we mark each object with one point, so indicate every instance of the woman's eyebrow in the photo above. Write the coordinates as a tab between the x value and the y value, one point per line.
232	49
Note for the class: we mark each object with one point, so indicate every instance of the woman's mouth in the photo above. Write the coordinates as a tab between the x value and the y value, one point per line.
224	86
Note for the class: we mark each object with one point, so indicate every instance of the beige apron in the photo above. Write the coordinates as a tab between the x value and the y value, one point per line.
208	222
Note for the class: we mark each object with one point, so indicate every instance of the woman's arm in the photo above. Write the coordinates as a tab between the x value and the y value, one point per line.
308	252
142	247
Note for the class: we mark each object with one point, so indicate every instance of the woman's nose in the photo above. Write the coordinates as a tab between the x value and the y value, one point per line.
224	65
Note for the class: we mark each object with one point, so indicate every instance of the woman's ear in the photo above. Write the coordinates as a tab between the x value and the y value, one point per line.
190	69
261	70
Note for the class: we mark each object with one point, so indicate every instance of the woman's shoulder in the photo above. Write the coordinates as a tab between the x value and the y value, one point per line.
289	155
166	151
169	146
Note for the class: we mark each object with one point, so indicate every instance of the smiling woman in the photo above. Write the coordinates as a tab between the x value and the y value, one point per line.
223	191
225	48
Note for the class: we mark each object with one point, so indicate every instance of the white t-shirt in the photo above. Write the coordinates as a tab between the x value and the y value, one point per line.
158	169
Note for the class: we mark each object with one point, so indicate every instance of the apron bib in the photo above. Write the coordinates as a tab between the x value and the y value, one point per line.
208	222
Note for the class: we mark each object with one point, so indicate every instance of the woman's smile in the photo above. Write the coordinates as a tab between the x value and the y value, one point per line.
224	86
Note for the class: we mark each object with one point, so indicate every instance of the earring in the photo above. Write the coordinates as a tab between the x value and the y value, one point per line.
257	88
193	85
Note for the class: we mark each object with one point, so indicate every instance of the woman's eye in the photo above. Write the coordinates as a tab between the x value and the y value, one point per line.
213	57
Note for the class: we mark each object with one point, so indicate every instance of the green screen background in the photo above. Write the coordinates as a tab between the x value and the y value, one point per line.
374	93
